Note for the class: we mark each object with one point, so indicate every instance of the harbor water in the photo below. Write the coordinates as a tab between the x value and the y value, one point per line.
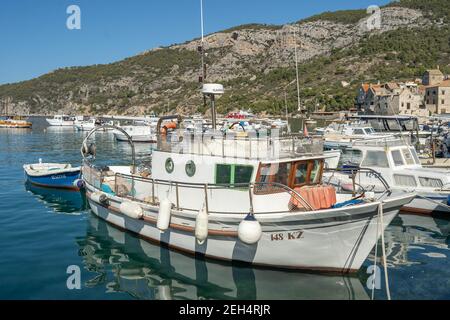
44	234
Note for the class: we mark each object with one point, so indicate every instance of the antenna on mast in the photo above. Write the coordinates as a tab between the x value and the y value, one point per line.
201	50
296	71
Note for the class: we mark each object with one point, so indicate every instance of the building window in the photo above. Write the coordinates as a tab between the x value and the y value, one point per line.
443	92
408	106
442	101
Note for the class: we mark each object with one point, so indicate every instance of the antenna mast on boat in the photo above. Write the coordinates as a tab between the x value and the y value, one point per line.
201	49
296	71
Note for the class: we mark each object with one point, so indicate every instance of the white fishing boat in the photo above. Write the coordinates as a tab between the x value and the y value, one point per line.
398	163
258	200
61	121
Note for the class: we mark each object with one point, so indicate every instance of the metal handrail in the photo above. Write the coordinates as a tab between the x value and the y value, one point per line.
208	187
355	170
107	126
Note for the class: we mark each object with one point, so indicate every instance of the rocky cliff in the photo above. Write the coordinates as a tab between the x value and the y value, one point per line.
337	51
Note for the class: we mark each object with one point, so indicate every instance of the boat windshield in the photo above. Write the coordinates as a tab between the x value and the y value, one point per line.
397	157
369	131
291	174
415	156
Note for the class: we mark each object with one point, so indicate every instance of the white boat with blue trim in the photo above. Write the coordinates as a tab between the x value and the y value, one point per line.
54	175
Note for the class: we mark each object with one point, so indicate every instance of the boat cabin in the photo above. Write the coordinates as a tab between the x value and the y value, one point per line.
398	163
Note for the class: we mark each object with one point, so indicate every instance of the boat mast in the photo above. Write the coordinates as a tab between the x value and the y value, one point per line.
201	49
296	71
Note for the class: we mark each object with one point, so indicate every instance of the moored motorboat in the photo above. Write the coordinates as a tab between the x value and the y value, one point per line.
242	199
61	121
54	175
398	163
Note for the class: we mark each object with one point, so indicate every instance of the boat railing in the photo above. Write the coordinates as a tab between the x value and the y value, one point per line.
352	172
250	146
149	191
390	141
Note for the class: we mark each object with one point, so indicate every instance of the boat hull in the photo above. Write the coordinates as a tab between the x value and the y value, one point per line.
64	180
57	123
427	207
136	138
335	241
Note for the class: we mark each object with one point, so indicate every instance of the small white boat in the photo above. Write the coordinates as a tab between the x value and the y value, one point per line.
61	121
143	134
54	175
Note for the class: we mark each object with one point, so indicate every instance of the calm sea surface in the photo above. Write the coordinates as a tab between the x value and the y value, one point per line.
43	232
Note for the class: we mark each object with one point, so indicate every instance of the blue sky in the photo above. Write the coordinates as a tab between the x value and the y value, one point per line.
34	38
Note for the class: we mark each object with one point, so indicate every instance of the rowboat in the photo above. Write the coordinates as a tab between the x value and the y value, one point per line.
53	175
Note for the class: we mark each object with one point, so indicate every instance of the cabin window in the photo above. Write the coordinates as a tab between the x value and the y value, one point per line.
408	157
301	174
404	180
243	174
290	174
315	176
375	159
358	131
230	174
431	183
223	174
190	168
414	154
170	166
397	158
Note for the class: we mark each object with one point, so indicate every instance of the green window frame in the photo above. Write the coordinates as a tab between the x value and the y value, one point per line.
222	177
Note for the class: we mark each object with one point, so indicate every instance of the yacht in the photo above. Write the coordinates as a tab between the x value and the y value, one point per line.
61	121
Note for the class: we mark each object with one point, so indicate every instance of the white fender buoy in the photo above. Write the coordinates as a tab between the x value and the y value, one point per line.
165	210
132	210
99	198
201	226
249	230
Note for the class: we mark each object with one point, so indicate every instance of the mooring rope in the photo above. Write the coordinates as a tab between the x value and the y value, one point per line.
386	276
376	255
383	249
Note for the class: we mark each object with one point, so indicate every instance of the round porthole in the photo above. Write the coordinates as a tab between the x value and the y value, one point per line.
169	165
190	168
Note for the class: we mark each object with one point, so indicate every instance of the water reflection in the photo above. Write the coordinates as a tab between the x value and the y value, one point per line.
60	201
147	271
411	234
